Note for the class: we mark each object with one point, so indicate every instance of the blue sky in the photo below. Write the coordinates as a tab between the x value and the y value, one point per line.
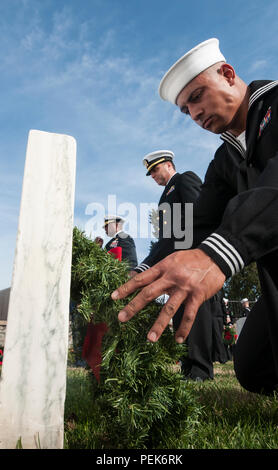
91	69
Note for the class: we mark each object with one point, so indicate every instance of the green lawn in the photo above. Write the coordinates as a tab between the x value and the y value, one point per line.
230	418
233	418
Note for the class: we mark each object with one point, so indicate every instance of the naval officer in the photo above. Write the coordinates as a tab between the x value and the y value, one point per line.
113	226
179	189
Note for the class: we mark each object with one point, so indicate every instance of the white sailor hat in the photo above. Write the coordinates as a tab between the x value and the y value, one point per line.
244	300
195	61
154	158
112	218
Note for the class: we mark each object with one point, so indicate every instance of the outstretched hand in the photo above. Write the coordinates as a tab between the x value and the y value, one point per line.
186	276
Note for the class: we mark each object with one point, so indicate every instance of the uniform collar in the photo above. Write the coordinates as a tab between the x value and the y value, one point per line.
170	179
257	89
116	234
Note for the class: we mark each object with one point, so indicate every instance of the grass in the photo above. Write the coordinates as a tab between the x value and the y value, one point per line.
231	417
79	410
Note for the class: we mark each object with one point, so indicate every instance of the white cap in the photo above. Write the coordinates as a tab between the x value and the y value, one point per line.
195	61
244	300
154	158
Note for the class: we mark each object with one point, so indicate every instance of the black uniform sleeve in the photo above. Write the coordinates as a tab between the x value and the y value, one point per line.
128	250
107	246
249	227
211	204
161	249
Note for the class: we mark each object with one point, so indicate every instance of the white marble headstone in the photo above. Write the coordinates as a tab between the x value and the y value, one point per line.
33	380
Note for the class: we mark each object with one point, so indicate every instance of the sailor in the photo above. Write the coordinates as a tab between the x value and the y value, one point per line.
236	214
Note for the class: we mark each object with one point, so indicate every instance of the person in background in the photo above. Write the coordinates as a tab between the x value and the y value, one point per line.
245	308
228	315
113	226
4	303
228	322
179	189
219	353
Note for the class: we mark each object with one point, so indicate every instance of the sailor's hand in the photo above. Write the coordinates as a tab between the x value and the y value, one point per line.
186	276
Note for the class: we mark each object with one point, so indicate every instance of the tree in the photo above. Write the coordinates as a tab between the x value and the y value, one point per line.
244	284
140	402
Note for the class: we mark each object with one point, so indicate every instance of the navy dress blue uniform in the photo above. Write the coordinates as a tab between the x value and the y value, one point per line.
183	188
236	214
126	242
236	223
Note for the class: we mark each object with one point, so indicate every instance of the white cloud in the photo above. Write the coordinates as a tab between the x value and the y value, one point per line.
258	65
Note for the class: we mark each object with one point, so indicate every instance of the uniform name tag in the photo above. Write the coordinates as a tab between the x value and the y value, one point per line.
265	121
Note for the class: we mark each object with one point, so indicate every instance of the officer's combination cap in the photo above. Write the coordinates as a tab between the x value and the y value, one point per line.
154	158
112	218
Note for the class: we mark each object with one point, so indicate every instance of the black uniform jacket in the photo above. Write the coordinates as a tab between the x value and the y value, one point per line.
127	244
236	214
181	188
